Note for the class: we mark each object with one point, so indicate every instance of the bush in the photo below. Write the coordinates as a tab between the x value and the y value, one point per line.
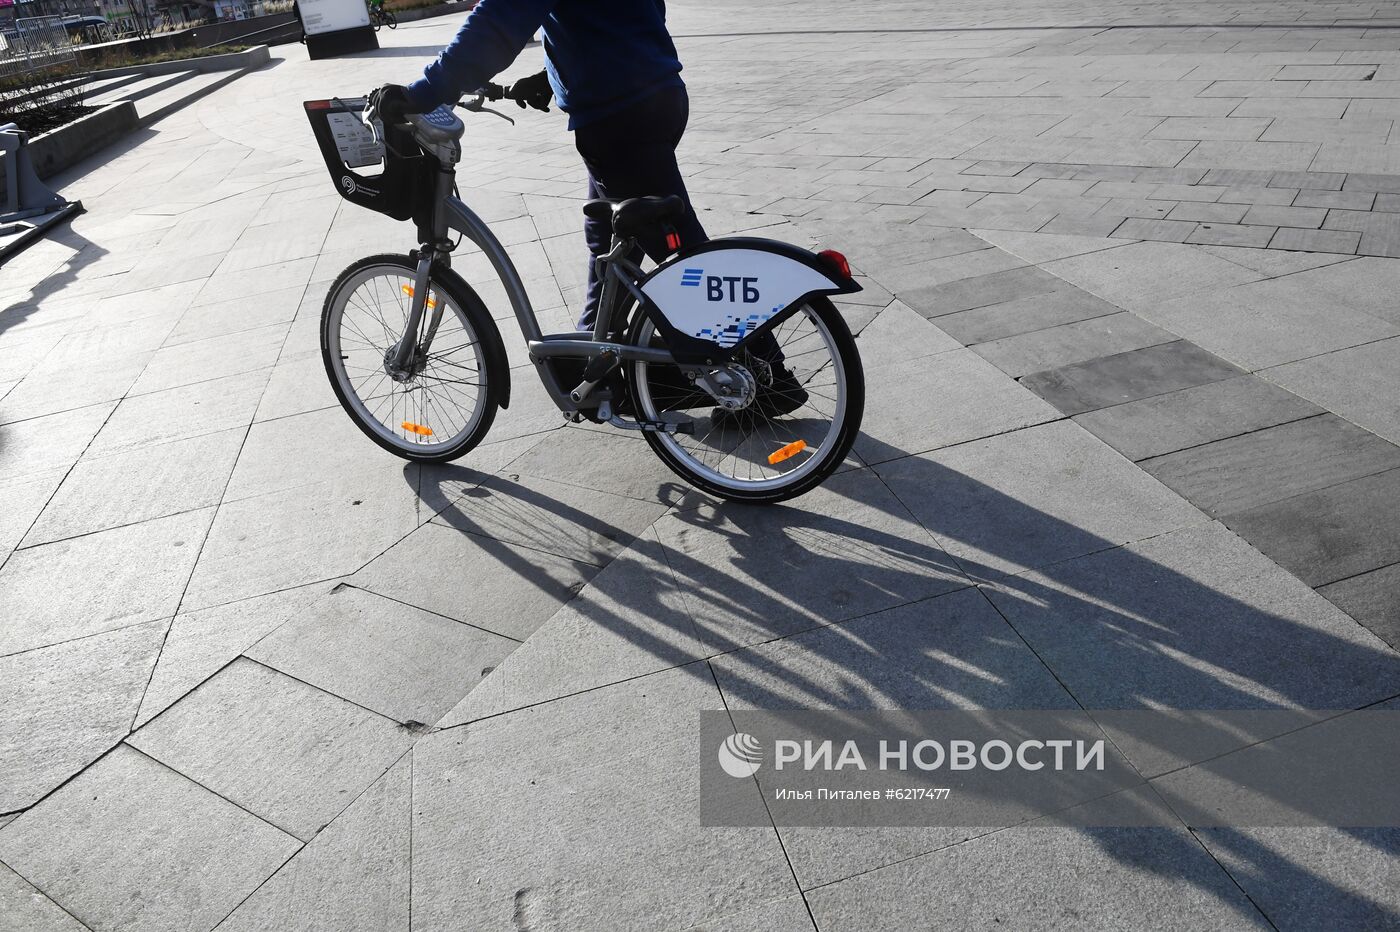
42	99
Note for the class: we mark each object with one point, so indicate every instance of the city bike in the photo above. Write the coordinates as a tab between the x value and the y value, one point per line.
728	356
380	17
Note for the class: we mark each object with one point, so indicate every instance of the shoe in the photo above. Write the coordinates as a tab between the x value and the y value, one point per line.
783	396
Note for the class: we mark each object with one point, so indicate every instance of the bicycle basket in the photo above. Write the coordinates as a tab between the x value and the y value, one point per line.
406	173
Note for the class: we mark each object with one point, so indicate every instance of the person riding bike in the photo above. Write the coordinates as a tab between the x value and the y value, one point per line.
613	68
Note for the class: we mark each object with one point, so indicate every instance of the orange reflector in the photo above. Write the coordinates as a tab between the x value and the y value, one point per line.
786	452
408	290
418	429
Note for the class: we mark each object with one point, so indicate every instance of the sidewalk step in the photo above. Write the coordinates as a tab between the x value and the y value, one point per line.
162	104
144	87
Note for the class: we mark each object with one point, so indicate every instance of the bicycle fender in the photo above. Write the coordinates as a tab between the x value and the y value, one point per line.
714	295
494	348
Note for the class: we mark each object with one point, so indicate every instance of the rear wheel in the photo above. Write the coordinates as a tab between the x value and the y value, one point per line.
442	404
803	415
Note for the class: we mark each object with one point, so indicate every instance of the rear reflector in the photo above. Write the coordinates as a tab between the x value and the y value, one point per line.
673	241
837	261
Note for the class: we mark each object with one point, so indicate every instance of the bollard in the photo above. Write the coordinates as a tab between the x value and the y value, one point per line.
31	206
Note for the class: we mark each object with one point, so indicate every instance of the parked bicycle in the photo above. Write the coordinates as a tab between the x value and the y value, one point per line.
729	356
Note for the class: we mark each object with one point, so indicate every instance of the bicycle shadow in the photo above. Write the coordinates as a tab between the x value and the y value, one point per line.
845	578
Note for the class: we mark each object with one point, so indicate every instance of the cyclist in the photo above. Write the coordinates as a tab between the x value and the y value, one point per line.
614	70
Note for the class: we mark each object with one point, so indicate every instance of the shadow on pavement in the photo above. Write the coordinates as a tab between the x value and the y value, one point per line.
1148	636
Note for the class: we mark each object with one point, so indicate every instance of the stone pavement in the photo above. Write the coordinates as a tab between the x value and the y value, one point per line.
1131	439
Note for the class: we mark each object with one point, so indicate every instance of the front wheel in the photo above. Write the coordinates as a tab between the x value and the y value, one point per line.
442	403
804	409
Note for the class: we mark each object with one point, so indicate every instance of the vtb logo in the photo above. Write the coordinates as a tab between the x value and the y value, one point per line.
733	288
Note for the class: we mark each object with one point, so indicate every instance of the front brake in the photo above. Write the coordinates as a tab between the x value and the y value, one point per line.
478	105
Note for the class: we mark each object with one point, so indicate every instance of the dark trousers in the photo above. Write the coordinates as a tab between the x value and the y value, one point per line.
633	154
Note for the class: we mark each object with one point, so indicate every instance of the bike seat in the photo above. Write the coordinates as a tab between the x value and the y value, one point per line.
636	215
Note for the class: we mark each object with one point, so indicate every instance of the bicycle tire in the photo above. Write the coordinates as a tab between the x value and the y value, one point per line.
462	297
832	453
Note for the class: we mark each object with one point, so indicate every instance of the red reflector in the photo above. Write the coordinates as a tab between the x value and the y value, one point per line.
317	105
837	261
673	241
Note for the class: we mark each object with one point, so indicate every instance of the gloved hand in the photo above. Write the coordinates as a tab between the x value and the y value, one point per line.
534	90
391	102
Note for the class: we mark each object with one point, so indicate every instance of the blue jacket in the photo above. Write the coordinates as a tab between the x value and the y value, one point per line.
601	55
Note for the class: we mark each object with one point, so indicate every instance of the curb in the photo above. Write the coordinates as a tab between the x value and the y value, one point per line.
234	61
64	147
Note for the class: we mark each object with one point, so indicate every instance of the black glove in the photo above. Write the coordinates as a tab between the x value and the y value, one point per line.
391	102
534	91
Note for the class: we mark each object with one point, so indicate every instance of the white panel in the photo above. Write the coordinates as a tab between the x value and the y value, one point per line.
725	294
330	15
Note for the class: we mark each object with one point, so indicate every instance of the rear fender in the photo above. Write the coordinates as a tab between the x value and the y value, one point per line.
708	299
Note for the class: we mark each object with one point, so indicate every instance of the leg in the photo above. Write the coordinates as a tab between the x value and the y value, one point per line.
633	154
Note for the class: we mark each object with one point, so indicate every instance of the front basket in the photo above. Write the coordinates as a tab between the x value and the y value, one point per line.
405	173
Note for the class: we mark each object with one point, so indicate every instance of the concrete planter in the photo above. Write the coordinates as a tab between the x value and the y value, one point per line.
234	61
64	147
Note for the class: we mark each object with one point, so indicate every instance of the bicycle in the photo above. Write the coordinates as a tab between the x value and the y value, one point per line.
729	356
380	17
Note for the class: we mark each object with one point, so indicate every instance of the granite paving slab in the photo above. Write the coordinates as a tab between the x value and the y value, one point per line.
441	569
584	525
1373	599
1194	416
1127	377
211	358
1274	463
1312	878
1365	284
1361	384
980	290
129	844
62	707
1067	344
145	483
55	441
283	750
404	663
1090	879
630	620
1041	495
1139	275
303	535
898	334
24	498
630	858
25	909
98	582
964	398
952	651
200	643
1267	323
1192	619
1024	315
181	413
1331	534
848	547
353	875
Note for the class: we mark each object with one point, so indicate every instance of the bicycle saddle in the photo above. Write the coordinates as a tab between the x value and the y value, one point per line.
635	215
